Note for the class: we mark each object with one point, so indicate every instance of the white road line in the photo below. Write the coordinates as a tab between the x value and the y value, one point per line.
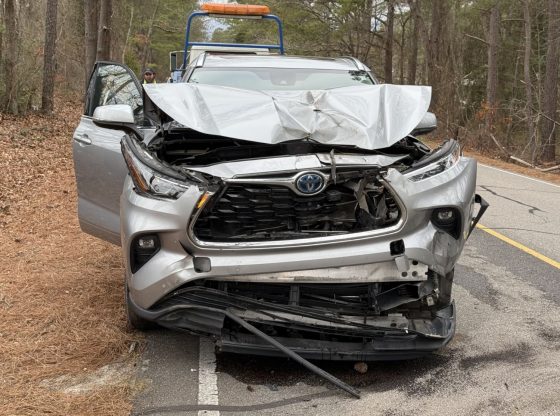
521	176
207	377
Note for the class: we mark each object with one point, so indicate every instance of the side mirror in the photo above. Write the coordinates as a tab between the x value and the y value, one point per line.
426	125
113	115
172	61
118	117
176	65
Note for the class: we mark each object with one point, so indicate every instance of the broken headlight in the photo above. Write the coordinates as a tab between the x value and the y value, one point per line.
439	161
151	177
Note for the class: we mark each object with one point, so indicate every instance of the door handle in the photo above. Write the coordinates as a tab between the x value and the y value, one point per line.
82	139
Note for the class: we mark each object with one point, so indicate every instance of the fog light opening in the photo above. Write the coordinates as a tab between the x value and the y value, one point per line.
448	220
142	249
147	243
445	216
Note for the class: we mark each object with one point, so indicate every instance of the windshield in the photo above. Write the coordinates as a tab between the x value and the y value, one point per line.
279	78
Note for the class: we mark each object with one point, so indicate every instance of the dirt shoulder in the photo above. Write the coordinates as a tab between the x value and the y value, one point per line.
552	177
61	291
512	167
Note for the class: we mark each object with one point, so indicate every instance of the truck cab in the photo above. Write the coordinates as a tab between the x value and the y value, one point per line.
180	60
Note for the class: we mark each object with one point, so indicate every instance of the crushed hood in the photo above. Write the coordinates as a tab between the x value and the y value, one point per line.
368	117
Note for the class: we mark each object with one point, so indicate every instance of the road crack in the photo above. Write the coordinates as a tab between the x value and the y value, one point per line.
532	209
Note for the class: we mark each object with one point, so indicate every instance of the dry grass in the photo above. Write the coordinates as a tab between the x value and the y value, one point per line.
61	291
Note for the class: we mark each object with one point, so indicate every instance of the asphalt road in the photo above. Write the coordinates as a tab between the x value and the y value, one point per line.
504	359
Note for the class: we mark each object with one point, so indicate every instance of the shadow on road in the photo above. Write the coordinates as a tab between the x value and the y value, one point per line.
380	376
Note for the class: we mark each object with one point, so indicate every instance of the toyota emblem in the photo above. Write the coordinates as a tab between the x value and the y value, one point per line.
309	183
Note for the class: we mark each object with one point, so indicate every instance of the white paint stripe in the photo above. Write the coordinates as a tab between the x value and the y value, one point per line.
521	176
207	377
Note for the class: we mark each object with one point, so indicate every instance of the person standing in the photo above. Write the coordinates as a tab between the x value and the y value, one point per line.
150	76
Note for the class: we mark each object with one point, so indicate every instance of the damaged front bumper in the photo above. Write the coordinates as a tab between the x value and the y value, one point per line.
330	330
369	295
377	294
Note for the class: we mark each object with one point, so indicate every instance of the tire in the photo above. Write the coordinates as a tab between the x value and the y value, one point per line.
445	283
134	321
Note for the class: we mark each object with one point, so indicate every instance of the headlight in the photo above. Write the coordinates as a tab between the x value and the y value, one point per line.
444	158
151	177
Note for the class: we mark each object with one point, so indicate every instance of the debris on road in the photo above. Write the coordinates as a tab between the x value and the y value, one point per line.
361	367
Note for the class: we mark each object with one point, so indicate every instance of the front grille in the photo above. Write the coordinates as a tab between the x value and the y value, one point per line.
250	212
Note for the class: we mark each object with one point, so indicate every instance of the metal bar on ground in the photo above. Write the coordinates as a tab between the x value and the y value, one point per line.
320	372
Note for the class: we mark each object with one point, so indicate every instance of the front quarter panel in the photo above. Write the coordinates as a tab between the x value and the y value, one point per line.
454	187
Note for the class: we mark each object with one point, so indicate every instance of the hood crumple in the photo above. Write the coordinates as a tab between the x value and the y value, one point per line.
369	117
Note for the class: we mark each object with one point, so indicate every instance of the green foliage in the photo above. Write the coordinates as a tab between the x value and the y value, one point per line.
145	31
132	61
316	27
167	32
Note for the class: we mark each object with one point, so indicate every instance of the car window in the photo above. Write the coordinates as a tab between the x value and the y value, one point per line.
279	78
115	85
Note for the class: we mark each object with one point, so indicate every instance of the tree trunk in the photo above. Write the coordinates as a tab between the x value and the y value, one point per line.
388	64
128	33
104	31
363	46
149	36
531	139
49	57
1	42
492	78
437	51
10	103
413	59
550	90
90	35
402	48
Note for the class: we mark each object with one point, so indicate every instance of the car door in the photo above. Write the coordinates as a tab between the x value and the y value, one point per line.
98	163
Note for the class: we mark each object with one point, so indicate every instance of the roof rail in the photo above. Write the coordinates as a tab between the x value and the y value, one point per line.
358	64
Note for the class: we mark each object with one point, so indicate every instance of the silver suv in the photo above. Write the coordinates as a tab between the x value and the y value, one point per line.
275	197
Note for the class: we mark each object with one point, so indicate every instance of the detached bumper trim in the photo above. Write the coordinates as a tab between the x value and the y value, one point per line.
483	206
382	348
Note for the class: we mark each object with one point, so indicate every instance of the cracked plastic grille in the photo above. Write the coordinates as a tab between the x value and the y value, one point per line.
249	212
